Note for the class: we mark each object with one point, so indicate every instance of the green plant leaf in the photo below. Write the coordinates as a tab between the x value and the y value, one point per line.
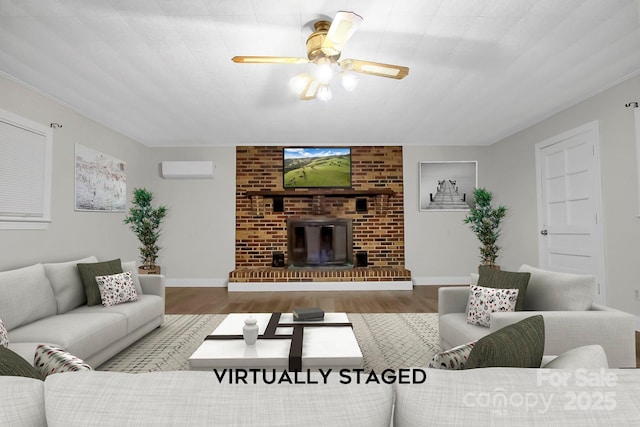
145	220
485	220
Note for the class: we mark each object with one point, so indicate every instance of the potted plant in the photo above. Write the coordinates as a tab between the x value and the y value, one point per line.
144	220
484	220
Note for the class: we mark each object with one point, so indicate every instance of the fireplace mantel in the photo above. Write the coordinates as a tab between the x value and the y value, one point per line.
381	194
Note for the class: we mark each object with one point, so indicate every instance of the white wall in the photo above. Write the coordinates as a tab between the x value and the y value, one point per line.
71	235
514	180
198	238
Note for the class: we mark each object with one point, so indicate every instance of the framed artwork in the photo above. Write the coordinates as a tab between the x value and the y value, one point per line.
316	167
101	181
447	186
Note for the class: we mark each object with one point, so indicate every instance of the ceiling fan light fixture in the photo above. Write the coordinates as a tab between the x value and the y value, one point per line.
324	72
324	48
349	80
324	93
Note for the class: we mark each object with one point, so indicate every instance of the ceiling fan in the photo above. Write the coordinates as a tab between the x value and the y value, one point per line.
324	47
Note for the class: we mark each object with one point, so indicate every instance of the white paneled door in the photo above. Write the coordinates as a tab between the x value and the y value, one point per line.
569	204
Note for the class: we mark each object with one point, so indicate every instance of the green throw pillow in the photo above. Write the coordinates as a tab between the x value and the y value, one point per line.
11	364
520	345
498	279
88	272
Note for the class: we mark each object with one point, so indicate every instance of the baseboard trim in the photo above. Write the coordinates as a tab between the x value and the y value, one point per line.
319	286
441	280
196	283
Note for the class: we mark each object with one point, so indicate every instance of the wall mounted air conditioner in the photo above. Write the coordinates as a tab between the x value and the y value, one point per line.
187	169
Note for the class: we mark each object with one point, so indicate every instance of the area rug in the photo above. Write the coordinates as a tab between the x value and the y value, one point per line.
387	341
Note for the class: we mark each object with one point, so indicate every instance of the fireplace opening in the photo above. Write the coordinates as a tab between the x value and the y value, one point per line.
322	242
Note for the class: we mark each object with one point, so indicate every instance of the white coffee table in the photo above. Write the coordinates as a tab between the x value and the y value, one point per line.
332	347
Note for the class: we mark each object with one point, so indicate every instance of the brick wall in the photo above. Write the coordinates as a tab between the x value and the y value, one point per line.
260	231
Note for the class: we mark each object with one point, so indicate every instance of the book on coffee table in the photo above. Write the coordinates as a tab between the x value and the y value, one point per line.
308	313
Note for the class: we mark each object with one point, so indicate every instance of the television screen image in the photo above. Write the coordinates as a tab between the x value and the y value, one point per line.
325	167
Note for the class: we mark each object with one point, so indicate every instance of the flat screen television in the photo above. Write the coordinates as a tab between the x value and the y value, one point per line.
317	167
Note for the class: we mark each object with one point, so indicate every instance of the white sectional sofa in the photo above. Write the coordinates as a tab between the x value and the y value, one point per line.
46	304
564	300
477	397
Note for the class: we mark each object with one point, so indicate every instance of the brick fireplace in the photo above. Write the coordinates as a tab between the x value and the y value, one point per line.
373	207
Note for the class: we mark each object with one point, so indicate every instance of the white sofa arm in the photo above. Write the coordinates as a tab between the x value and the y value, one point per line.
612	329
452	299
153	284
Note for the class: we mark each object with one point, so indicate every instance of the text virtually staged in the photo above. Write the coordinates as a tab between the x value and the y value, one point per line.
320	376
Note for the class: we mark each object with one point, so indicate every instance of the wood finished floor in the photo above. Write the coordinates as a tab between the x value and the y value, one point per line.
422	299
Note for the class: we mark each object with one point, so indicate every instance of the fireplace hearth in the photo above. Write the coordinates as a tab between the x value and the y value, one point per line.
319	242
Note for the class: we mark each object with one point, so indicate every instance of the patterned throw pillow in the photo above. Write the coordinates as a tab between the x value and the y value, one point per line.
4	338
52	360
116	289
484	301
453	359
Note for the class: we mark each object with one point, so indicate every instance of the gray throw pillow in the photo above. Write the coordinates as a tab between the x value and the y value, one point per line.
131	266
520	345
498	279
12	364
585	357
89	271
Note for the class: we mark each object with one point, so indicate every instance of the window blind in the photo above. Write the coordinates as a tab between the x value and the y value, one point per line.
24	170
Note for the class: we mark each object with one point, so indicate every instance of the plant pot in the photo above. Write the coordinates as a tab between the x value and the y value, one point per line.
146	270
494	266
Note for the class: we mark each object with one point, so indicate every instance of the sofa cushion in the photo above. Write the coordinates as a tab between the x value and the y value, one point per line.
80	334
492	278
133	268
454	358
554	291
25	296
22	402
455	330
585	357
484	301
518	397
183	398
116	289
67	284
143	311
89	271
12	364
4	338
53	360
520	345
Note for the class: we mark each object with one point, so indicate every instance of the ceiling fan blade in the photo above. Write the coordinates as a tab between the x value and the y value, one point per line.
341	30
269	60
310	91
375	68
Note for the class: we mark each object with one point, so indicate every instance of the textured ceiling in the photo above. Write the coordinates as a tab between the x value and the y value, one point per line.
160	71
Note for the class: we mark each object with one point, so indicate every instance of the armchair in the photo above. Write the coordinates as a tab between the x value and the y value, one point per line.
565	329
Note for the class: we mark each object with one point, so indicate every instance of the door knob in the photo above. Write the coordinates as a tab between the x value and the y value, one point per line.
544	232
